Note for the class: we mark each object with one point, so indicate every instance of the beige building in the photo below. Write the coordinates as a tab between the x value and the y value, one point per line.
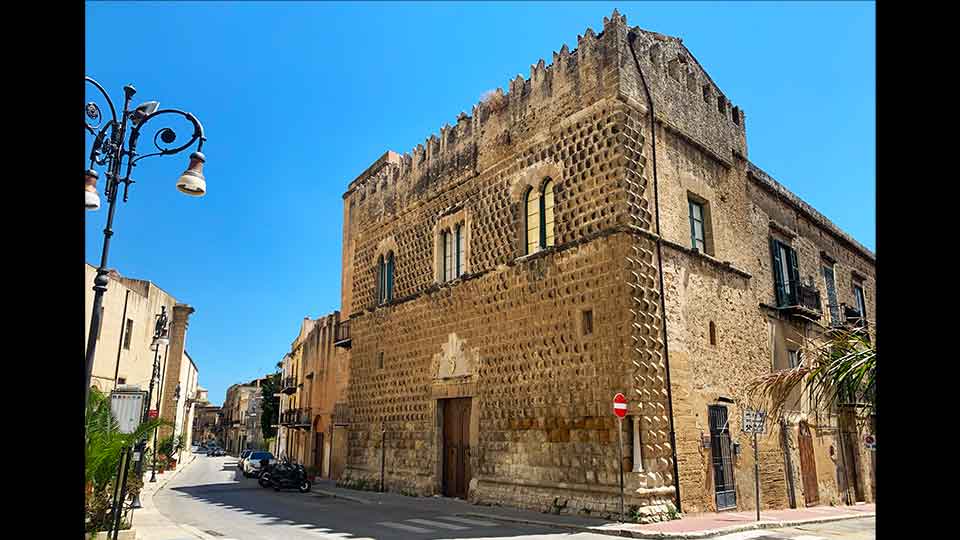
241	417
313	386
598	228
124	355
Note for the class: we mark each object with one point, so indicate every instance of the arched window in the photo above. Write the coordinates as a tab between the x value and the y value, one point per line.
458	267
385	269
532	207
381	276
390	269
546	207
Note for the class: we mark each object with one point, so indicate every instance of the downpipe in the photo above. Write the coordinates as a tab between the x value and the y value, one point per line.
663	306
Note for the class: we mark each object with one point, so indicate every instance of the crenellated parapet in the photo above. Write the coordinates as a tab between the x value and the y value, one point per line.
601	66
685	97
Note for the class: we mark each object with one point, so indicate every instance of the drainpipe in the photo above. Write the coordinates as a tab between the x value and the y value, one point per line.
631	36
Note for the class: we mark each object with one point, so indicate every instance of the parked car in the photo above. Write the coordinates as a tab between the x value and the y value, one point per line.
243	457
216	451
252	465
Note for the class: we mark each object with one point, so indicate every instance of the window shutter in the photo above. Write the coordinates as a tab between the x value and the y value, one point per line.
390	268
794	276
459	266
777	277
693	226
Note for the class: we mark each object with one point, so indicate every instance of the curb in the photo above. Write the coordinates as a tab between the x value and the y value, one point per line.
678	535
175	473
340	496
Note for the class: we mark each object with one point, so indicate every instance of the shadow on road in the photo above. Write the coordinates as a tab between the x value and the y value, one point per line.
345	519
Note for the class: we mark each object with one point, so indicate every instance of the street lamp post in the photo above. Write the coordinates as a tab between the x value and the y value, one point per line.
160	338
110	146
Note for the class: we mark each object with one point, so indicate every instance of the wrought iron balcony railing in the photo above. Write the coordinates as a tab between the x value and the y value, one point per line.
801	299
289	384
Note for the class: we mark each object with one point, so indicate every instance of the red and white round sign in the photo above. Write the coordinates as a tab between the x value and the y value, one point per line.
620	405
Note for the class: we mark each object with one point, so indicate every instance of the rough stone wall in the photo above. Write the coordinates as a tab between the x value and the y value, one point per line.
541	390
509	334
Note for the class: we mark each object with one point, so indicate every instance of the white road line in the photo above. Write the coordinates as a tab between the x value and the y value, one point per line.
808	537
403	527
745	535
429	523
468	521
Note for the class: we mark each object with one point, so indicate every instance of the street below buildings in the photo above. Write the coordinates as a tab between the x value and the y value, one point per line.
210	499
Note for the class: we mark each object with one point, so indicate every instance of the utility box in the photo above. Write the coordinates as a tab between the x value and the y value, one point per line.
127	407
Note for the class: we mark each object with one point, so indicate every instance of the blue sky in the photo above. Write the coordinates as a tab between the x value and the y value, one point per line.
298	98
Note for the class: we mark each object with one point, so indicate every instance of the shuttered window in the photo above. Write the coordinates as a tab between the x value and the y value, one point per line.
447	240
547	237
390	268
532	205
459	245
697	238
786	274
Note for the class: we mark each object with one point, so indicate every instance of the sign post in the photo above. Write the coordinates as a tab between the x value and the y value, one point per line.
753	423
620	409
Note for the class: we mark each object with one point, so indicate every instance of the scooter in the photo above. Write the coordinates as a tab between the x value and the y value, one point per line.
289	475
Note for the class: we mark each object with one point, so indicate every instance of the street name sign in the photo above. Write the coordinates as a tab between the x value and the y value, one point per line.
753	421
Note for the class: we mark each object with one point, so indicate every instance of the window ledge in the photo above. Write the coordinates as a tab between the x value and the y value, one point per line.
539	253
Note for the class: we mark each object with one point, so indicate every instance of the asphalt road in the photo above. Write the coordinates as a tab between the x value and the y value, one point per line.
212	500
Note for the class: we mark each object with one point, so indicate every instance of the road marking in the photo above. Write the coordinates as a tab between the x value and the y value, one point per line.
745	535
808	537
468	521
429	523
403	527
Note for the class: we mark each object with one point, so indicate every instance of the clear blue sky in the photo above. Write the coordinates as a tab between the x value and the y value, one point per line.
298	98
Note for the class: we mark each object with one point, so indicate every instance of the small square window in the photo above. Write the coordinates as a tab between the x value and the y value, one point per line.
121	380
587	322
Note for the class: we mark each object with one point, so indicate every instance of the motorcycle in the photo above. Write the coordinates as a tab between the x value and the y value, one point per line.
286	475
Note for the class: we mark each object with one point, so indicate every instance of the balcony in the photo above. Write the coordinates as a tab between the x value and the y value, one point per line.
800	300
288	417
341	336
288	385
303	419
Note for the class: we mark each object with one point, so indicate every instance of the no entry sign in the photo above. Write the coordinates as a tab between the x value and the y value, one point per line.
620	405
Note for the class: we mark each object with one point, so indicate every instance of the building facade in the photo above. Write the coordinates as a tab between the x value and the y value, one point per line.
596	229
125	355
206	427
241	417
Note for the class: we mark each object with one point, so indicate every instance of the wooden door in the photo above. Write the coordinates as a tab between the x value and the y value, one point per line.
456	447
808	466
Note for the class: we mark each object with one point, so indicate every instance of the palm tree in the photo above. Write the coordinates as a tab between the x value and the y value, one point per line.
104	444
842	372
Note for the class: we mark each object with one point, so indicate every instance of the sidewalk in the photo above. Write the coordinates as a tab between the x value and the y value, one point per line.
691	526
148	522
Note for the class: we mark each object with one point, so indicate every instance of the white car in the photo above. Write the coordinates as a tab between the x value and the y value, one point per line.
251	465
243	457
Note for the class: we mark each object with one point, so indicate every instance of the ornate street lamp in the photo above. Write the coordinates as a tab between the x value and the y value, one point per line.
110	147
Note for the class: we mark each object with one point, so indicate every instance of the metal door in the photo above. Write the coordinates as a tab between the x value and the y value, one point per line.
808	466
722	458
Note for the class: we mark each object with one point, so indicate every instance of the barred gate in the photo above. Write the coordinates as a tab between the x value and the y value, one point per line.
722	458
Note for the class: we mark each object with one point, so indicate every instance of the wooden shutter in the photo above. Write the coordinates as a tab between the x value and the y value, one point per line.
792	288
390	268
777	278
532	210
